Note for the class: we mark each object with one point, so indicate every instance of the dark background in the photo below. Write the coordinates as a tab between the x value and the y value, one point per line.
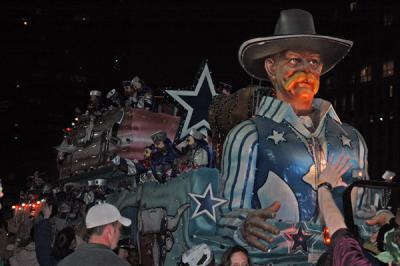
53	53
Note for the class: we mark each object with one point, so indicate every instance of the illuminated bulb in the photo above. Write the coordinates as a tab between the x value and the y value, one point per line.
37	202
34	205
25	23
23	204
72	124
20	208
43	200
13	207
76	119
327	238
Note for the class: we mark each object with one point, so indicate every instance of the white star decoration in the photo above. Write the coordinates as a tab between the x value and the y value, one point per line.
207	202
277	137
204	77
345	141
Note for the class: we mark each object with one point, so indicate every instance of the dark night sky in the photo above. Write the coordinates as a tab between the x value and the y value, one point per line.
53	53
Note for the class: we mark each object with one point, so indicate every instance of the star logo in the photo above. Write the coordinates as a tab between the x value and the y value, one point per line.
195	103
299	239
206	203
277	137
345	141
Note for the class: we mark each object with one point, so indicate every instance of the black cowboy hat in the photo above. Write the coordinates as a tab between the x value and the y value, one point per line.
294	30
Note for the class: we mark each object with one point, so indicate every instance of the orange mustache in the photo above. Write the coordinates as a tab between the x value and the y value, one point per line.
302	77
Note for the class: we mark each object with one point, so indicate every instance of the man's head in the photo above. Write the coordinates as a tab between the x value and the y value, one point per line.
235	256
104	223
295	75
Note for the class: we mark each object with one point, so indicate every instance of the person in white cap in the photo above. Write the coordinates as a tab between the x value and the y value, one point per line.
103	223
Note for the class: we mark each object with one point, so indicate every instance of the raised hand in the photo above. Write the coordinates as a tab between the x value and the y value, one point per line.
256	228
380	219
334	170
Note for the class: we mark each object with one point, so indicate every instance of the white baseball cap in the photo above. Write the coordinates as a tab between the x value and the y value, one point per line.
104	213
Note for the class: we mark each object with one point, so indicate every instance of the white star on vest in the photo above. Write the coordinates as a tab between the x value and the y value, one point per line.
345	141
277	137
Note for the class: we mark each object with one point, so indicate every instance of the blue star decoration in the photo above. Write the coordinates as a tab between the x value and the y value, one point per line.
195	103
206	203
299	239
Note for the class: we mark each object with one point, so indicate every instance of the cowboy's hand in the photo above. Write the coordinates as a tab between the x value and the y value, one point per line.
334	170
380	219
256	228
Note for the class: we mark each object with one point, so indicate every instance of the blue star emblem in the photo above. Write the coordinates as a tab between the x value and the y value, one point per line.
206	203
195	102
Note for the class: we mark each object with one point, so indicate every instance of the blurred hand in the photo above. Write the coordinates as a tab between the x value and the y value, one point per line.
334	170
380	219
255	227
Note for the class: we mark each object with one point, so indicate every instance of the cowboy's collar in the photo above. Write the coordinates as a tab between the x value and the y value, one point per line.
279	111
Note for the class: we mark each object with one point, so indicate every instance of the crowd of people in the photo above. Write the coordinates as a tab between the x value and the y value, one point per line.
73	225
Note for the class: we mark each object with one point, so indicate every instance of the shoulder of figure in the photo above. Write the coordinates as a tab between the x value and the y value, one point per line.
245	133
349	128
244	126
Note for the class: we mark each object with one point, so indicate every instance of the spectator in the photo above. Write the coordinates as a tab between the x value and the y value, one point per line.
25	254
235	256
103	222
63	245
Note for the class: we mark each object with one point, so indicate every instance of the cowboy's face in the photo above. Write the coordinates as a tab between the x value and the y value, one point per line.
296	74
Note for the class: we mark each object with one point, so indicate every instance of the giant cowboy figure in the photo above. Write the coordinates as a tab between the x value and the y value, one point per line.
275	162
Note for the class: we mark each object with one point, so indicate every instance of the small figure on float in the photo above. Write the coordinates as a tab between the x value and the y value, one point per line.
137	94
114	98
196	153
145	167
95	104
164	167
94	110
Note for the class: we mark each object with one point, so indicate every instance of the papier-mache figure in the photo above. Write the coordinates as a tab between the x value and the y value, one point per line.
94	110
95	104
114	98
145	167
137	94
196	153
272	164
164	158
